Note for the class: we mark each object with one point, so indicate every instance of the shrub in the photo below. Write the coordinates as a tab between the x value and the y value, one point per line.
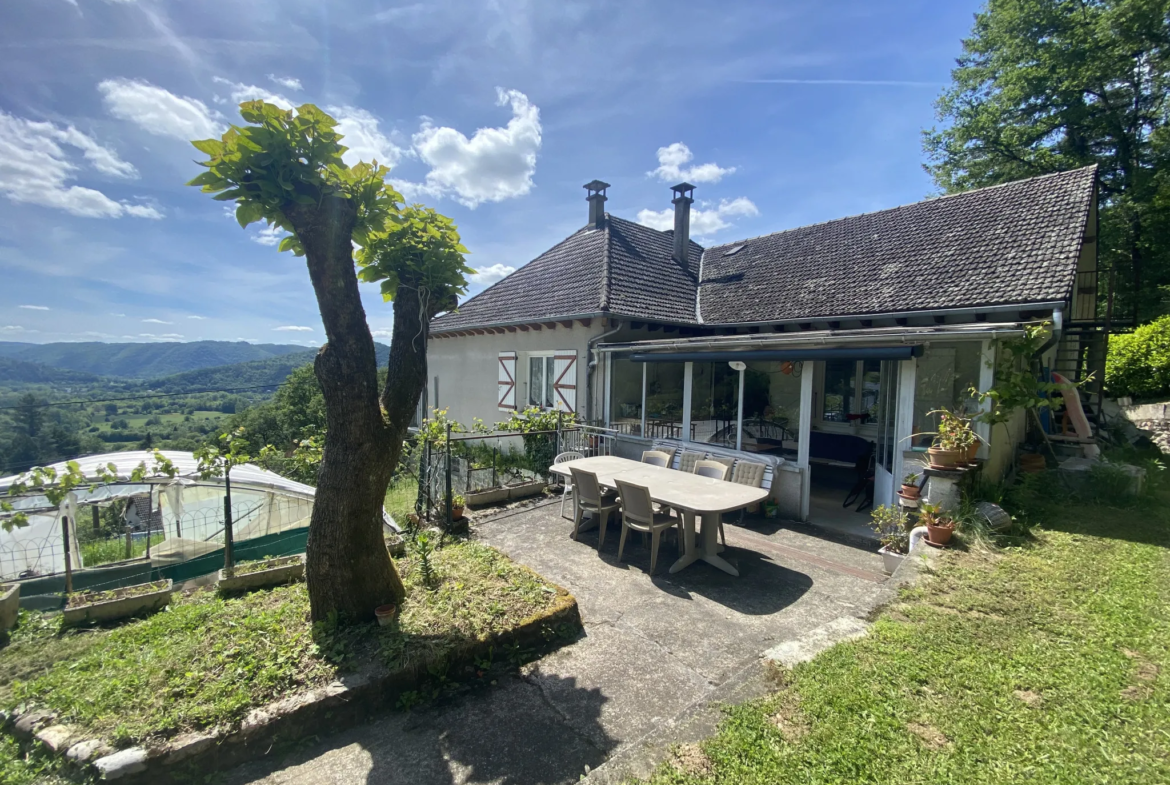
1139	362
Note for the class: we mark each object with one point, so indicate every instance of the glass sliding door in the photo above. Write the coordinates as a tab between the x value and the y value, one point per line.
884	408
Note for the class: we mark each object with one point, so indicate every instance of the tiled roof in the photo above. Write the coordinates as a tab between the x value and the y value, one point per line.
624	269
1008	244
1016	243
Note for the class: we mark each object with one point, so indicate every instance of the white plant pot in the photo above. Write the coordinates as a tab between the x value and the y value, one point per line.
890	560
9	606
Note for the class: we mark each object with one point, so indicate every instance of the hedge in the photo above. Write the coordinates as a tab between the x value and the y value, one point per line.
1138	363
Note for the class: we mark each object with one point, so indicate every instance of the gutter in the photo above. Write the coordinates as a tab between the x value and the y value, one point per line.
803	320
592	352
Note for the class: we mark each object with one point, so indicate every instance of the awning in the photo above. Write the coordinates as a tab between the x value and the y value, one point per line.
792	355
811	344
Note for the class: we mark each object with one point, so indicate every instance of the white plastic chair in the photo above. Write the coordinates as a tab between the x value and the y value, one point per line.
638	514
562	458
716	470
713	469
656	458
587	491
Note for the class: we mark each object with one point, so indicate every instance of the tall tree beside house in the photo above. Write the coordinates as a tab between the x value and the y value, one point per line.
1049	85
285	168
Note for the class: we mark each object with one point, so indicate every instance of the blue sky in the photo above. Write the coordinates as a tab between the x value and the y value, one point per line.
783	113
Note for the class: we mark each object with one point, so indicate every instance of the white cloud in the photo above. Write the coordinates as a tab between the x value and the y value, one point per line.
193	316
119	315
171	336
94	334
34	307
35	169
287	82
15	328
160	111
493	165
703	222
143	211
241	92
293	328
671	160
269	235
383	334
365	140
155	321
485	276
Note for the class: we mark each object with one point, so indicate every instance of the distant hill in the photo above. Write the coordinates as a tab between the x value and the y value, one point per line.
144	360
18	372
272	370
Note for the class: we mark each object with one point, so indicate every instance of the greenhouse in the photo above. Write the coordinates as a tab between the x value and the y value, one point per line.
173	526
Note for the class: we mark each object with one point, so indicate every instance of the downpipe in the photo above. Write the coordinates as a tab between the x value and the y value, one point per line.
591	348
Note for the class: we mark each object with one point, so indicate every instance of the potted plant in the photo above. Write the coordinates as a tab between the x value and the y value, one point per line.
939	525
910	489
101	606
457	505
893	529
9	606
951	441
261	574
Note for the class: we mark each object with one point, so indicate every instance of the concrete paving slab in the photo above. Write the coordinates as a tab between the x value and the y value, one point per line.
657	654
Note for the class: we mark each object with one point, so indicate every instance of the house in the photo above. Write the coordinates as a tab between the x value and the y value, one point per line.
844	335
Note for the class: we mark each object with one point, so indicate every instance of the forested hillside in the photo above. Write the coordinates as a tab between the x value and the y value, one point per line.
14	371
143	360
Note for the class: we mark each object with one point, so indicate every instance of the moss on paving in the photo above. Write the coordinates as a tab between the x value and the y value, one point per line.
206	661
1044	662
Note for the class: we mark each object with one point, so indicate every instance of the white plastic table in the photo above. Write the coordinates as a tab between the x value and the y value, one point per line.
692	494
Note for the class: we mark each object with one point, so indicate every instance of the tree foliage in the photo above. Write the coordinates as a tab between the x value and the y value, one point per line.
1139	362
1050	85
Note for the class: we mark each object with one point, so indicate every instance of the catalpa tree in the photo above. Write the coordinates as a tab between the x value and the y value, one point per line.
285	168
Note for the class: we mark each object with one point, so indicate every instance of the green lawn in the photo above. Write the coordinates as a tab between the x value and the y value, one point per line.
1047	661
207	661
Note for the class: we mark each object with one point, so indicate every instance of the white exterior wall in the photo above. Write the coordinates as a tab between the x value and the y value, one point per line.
467	369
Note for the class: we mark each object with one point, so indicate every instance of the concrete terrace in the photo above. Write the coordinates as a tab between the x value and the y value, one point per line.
655	655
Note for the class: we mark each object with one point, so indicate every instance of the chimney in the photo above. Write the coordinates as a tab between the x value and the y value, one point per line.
596	199
683	198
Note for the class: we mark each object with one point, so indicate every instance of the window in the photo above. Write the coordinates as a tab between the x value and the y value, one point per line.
851	391
541	377
946	374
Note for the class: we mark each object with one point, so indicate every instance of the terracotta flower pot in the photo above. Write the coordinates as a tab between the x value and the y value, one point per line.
456	512
911	491
385	614
943	459
939	535
1031	463
972	451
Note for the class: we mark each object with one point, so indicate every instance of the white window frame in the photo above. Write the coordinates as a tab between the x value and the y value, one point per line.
546	388
858	389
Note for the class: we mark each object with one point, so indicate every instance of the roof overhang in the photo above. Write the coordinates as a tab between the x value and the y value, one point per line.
898	341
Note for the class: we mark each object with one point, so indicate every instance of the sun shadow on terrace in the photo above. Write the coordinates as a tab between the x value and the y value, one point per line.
762	588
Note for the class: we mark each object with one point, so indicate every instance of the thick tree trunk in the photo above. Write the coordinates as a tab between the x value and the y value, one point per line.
348	568
407	367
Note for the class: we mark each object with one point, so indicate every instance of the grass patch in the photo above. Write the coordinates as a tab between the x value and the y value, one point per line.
259	565
29	765
400	498
206	661
112	550
1047	661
